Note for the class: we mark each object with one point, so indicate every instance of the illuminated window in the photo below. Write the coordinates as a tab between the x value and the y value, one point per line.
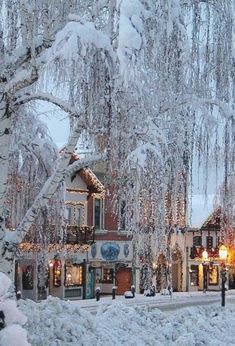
107	275
57	268
73	274
194	275
213	275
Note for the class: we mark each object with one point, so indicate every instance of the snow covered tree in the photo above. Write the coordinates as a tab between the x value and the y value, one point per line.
145	82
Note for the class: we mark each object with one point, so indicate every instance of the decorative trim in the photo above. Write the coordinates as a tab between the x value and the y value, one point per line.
77	190
28	247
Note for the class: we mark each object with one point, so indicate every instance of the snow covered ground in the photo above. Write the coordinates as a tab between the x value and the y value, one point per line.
131	322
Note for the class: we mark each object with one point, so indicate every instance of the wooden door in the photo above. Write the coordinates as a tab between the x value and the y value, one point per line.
123	280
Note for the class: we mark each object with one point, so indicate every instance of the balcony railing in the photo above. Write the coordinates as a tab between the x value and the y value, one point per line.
196	252
79	235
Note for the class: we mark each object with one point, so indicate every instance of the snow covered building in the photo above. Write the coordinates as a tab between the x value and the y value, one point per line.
204	273
92	252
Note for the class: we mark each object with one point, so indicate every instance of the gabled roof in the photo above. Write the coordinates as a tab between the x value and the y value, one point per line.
213	219
91	180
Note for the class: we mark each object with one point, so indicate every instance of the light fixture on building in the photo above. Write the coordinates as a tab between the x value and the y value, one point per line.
205	255
205	270
155	265
223	252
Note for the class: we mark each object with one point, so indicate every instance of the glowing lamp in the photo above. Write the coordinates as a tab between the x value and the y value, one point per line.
205	255
154	265
223	252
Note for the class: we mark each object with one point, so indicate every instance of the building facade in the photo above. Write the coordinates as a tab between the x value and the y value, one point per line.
204	265
93	253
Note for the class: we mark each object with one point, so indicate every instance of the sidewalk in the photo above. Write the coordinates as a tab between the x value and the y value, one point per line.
162	302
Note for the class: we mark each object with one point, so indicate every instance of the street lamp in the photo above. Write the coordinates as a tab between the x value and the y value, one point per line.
223	253
204	264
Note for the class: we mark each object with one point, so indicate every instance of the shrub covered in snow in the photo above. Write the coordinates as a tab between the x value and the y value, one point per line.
12	319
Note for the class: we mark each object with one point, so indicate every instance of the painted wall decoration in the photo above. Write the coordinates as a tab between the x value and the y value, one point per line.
93	250
110	251
126	250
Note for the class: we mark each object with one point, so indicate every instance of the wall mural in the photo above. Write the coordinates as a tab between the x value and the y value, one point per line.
110	251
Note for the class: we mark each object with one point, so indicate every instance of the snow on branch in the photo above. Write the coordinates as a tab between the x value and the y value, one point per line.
22	55
21	79
195	101
86	162
48	190
75	39
130	35
48	98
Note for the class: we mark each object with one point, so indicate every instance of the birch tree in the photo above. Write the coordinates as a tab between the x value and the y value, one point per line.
146	82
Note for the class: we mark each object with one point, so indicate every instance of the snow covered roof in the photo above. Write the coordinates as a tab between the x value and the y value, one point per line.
93	183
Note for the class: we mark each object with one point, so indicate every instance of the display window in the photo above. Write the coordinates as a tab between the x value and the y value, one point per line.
57	272
108	275
73	274
194	275
27	277
214	275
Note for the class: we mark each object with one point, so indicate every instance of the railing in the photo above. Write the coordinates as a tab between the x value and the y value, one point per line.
196	252
79	235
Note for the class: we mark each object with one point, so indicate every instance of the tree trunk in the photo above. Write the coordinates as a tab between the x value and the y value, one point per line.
6	256
5	136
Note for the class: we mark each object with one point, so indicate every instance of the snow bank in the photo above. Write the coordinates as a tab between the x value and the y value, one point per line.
55	322
13	333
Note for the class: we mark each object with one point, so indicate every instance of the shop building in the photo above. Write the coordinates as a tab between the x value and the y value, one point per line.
204	264
93	251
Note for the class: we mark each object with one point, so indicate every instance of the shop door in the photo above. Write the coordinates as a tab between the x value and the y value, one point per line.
175	277
123	280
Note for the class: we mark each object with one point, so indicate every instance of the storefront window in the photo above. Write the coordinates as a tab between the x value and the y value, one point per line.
194	277
57	273
27	277
107	275
214	275
73	274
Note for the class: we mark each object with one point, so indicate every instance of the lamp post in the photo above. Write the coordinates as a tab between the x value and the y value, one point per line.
204	264
223	253
154	279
